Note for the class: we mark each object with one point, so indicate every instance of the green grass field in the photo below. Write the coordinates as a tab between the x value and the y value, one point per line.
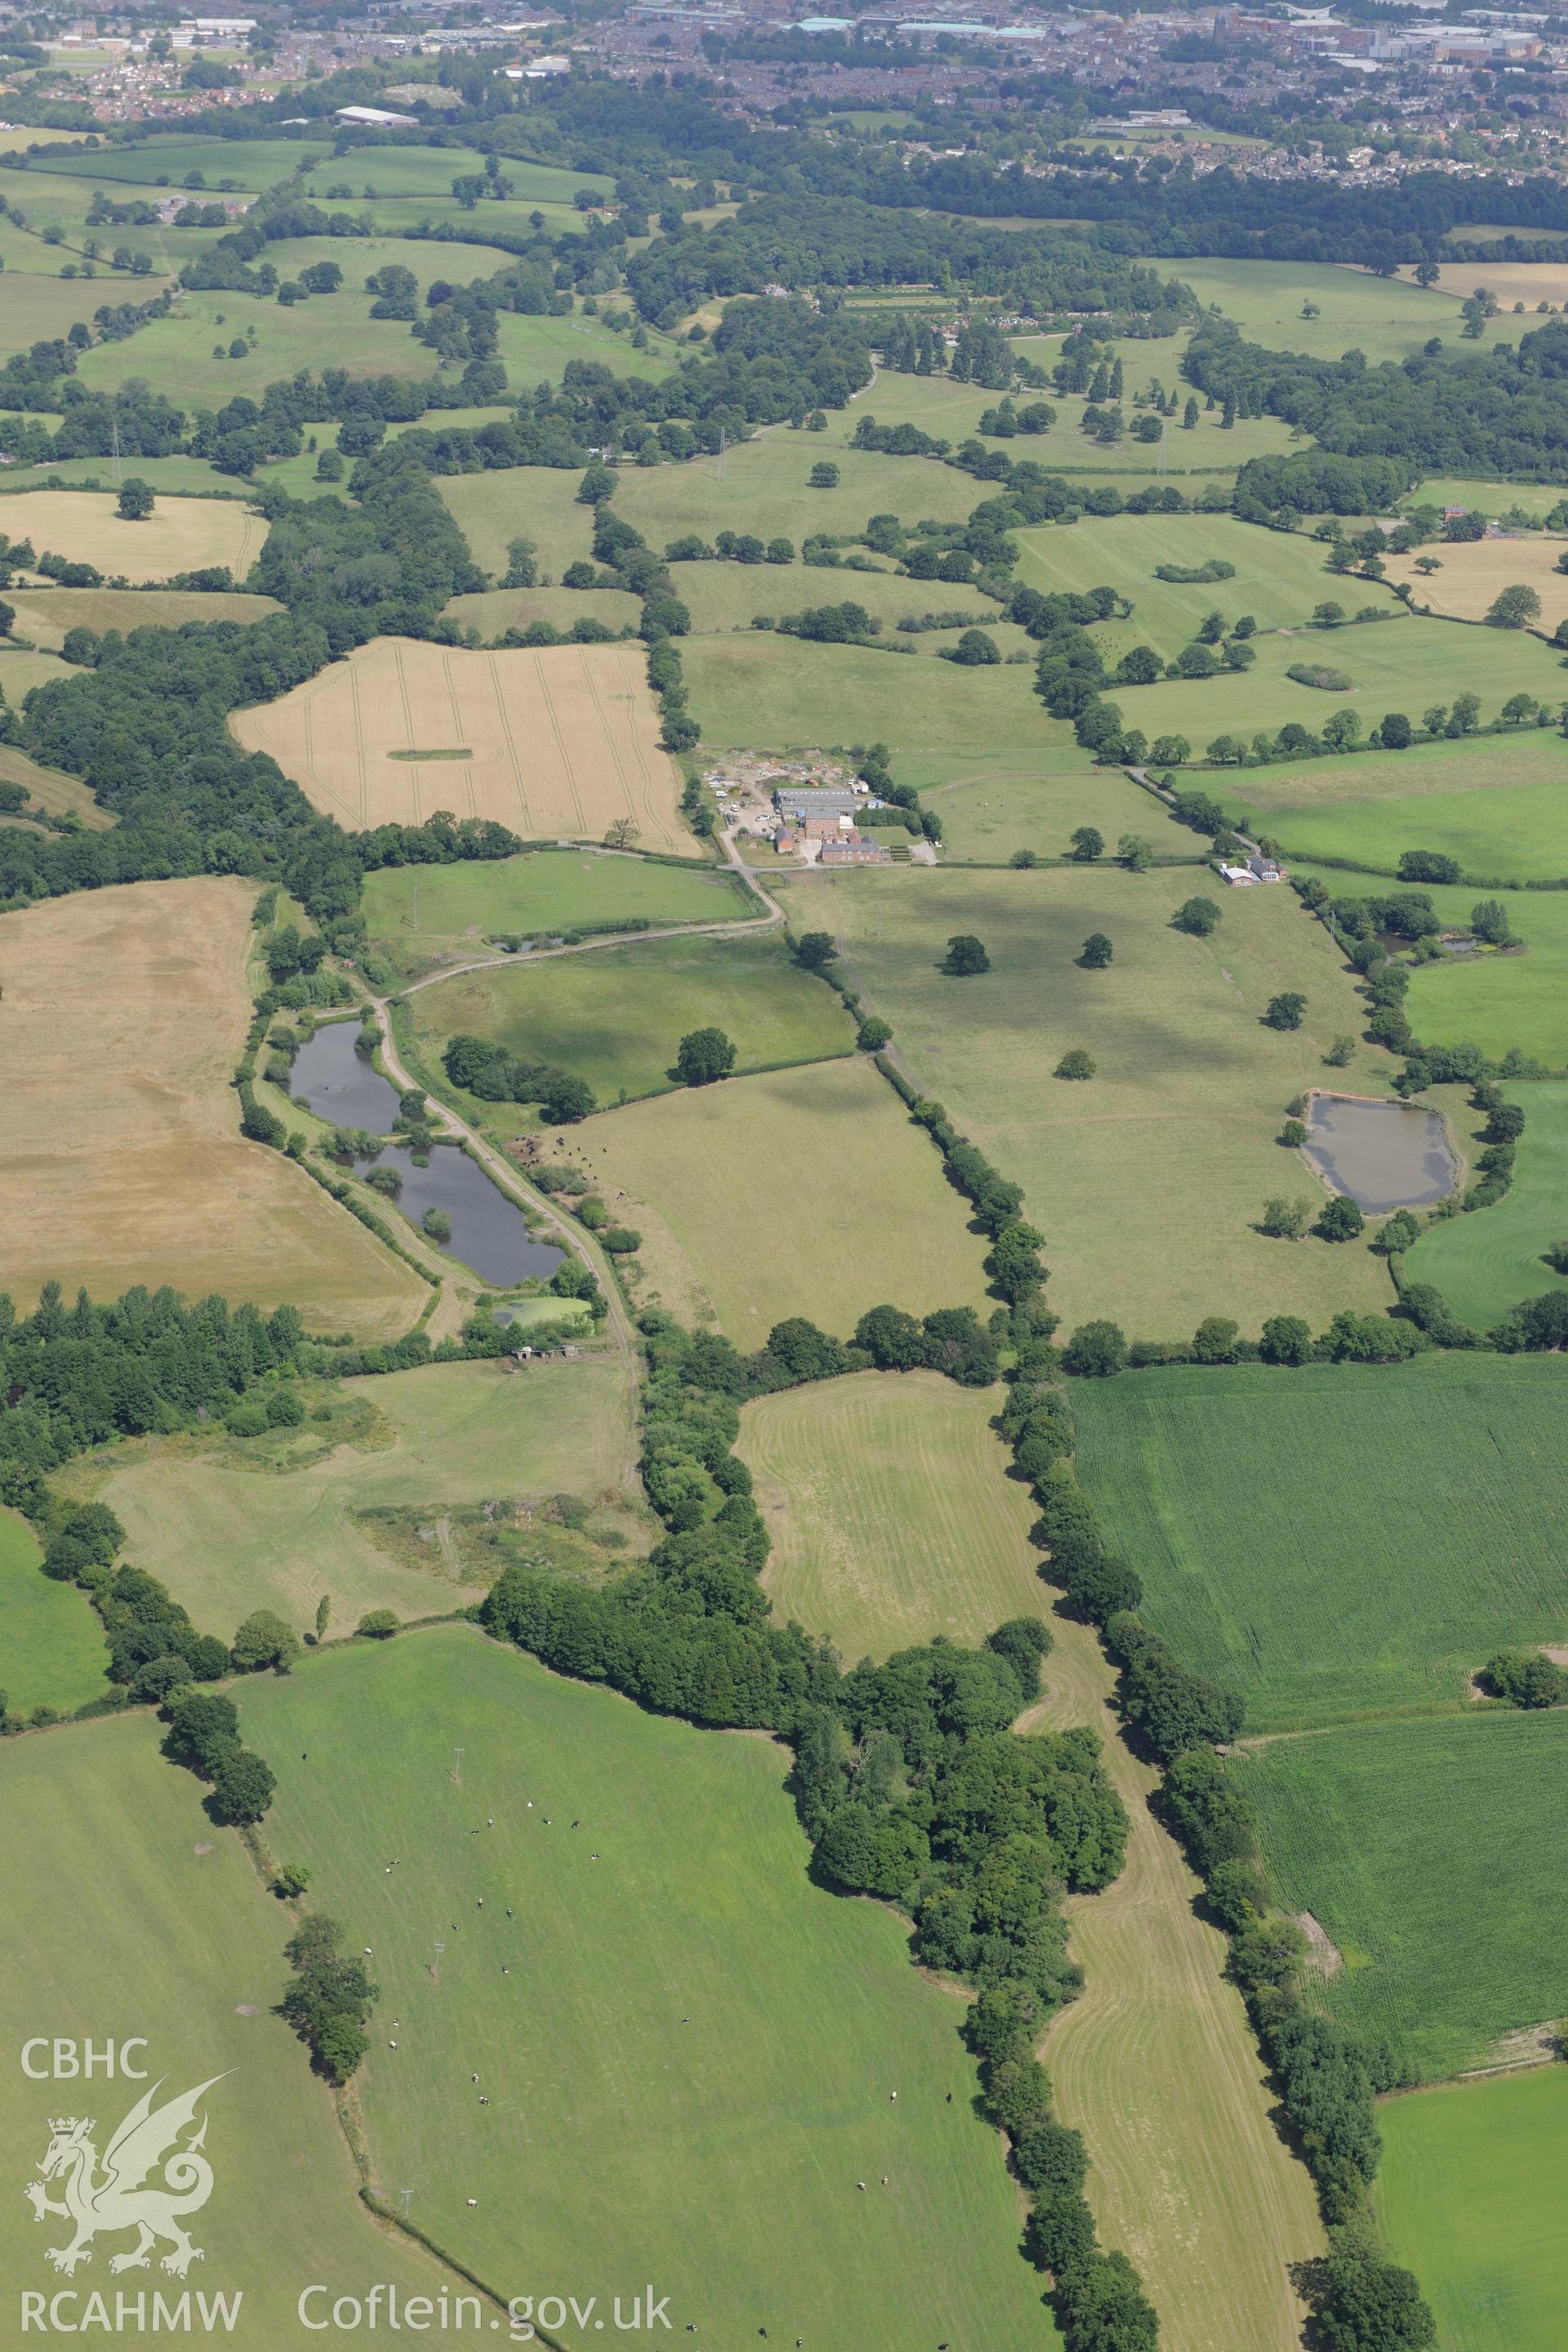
1485	1262
1147	1181
538	893
1401	664
891	1516
1343	1539
1431	1854
616	1016
894	1519
252	164
174	355
1279	576
992	804
717	2159
143	1919
536	350
1387	320
37	308
228	1539
760	485
428	258
1495	1002
799	1192
51	1645
755	689
723	596
493	610
536	502
1493	801
1470	2195
1536	498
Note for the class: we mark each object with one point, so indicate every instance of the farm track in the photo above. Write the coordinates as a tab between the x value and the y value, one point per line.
1155	2064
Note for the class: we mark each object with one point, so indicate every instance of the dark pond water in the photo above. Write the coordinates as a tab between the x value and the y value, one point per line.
1385	1155
489	1232
340	1084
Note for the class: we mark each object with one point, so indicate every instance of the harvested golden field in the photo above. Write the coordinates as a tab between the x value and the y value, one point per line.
179	535
1530	283
122	1012
46	615
51	788
553	743
1475	571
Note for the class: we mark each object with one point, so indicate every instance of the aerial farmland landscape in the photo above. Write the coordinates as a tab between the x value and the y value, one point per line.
784	1502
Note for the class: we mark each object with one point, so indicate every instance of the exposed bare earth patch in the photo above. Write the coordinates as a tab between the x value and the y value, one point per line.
1323	1955
556	743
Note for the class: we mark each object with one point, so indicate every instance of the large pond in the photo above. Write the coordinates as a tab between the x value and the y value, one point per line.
489	1232
342	1085
1385	1155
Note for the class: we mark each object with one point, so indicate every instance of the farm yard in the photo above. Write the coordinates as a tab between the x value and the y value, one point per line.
1424	1851
557	743
616	1016
1447	1472
1470	2194
1150	1180
124	1012
196	1941
367	1522
1485	1262
857	1209
718	2158
179	535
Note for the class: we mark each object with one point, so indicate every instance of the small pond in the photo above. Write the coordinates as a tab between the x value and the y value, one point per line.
341	1085
1385	1155
489	1232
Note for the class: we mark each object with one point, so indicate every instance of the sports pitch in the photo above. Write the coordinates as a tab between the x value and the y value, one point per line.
688	2066
560	743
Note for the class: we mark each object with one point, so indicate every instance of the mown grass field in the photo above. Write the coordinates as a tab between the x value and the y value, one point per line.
1495	1002
1470	2195
1148	1180
1279	576
1475	572
992	804
46	615
1387	320
37	309
109	1852
228	1537
175	354
536	502
1495	803
1433	1856
757	688
1400	664
52	1650
251	163
557	743
617	1015
1343	1539
537	894
722	596
1485	1262
493	610
52	789
891	1516
1493	497
718	2157
120	1156
799	1192
893	1519
179	535
762	485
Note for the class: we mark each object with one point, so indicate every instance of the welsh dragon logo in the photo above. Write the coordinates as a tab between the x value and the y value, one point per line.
145	2142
